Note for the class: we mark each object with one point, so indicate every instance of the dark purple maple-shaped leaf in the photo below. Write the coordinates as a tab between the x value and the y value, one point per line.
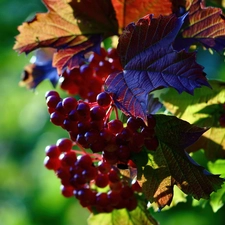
205	25
170	165
150	62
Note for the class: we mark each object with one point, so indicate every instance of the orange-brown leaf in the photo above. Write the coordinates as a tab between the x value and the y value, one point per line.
56	28
206	25
128	11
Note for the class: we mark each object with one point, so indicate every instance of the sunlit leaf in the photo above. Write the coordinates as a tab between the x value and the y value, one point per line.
56	28
72	31
170	165
217	199
150	62
206	25
124	217
203	109
129	11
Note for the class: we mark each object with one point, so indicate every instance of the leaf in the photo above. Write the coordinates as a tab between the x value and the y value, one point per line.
128	11
202	109
40	69
206	25
74	56
56	28
124	217
170	165
181	5
217	199
95	17
73	31
150	62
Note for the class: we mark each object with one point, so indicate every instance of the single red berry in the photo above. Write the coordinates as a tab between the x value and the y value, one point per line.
64	144
104	99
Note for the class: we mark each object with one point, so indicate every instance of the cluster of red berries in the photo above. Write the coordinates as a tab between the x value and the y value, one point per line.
89	126
113	144
98	186
87	80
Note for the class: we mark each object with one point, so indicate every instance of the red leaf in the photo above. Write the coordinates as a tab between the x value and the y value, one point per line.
73	57
150	62
128	11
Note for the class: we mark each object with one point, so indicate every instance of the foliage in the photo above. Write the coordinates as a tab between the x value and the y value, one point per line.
154	53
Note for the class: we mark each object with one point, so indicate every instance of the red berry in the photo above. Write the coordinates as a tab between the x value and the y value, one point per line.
115	126
52	151
52	163
103	99
67	191
69	103
64	144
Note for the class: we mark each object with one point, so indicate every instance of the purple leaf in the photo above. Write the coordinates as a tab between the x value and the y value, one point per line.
150	63
40	69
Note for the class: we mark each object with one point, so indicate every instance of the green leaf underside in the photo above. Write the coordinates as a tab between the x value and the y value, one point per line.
201	109
124	217
170	164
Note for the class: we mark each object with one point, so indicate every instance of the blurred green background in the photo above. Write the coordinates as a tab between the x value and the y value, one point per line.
29	193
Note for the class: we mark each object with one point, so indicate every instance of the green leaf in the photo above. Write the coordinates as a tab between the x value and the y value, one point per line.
217	199
170	165
124	217
202	109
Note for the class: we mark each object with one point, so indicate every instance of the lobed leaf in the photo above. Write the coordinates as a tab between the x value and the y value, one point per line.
56	28
206	25
150	62
69	28
170	165
140	215
202	109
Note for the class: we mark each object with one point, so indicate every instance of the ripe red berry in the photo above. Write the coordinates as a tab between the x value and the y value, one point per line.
103	99
64	144
52	151
115	126
52	163
69	103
